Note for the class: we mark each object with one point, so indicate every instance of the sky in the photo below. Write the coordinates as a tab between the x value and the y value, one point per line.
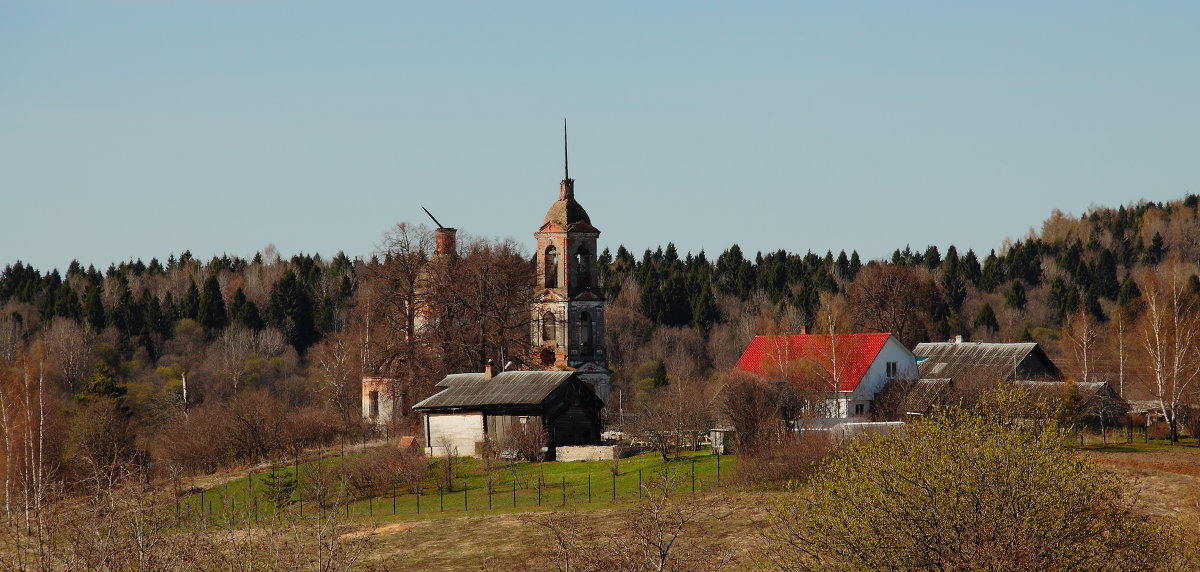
140	129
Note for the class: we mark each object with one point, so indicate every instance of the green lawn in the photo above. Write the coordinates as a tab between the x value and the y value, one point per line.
507	487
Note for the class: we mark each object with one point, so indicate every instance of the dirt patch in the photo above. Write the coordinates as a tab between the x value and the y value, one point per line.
1167	481
393	528
1183	461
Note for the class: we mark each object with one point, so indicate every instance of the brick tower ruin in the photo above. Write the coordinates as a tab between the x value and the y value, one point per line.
568	307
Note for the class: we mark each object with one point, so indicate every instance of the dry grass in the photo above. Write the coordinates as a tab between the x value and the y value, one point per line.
507	542
1167	478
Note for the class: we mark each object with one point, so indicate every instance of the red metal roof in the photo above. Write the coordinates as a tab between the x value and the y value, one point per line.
806	356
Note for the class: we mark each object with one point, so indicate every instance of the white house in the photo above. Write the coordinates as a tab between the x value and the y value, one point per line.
844	371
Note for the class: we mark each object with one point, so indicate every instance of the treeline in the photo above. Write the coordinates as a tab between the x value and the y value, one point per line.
1082	261
304	297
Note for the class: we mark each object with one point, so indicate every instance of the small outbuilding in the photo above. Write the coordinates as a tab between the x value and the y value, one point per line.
473	408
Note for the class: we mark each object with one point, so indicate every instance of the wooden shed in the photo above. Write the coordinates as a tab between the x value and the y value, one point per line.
474	407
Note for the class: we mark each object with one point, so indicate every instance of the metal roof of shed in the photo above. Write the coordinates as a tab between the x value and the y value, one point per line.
994	360
468	390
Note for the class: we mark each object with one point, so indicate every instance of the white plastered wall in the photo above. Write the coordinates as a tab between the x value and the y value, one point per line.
453	431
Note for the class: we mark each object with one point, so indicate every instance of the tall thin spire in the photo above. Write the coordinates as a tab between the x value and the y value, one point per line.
566	170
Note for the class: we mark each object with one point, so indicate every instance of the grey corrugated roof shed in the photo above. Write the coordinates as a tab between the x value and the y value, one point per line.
467	390
952	360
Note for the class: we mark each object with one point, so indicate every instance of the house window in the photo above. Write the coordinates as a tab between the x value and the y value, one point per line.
548	327
858	408
373	404
551	260
891	369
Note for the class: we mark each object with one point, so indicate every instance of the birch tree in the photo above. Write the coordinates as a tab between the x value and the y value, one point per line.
1168	338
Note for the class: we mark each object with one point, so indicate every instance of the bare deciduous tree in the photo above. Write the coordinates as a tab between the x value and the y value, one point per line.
69	346
889	298
1169	335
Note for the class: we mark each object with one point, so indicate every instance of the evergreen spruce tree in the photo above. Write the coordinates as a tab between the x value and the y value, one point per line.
843	265
932	258
291	311
970	267
1157	250
278	485
953	285
855	265
986	318
992	273
170	311
1128	295
1016	296
189	307
704	309
94	308
1104	276
66	303
211	309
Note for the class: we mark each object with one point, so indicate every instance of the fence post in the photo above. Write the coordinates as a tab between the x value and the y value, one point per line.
514	491
589	488
393	498
371	505
441	502
489	489
564	490
614	485
418	499
718	469
465	487
693	476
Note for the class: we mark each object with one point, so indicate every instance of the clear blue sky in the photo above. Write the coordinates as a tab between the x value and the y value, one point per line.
140	129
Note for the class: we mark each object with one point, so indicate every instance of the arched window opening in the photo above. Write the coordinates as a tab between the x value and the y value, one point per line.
585	333
551	259
583	266
548	330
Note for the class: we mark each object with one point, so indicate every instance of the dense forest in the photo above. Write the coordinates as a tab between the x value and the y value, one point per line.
188	364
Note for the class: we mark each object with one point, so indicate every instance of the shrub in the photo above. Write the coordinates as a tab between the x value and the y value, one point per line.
960	492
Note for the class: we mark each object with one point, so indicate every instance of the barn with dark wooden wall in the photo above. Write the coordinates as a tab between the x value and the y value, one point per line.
473	407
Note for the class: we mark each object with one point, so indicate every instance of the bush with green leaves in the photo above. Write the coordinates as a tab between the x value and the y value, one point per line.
962	491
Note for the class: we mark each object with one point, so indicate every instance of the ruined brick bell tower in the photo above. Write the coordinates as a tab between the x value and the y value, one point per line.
568	308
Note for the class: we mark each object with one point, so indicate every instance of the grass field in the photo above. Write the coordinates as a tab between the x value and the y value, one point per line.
503	488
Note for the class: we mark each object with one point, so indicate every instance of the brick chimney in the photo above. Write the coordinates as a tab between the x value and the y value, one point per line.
488	370
445	240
